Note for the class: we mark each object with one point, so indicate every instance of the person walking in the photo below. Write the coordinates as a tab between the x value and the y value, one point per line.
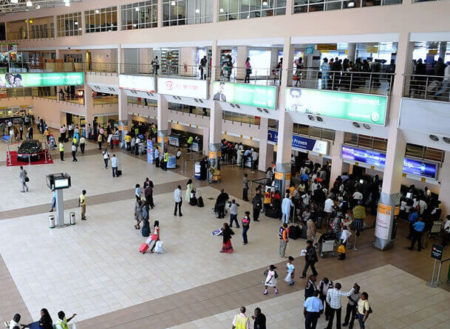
233	213
286	206
290	271
334	299
178	201
245	227
241	321
313	307
363	310
53	202
61	149
310	259
62	322
245	188
271	280
203	63
114	165
100	141
74	153
138	217
82	144
105	157
418	228
283	234
148	193
227	232
154	237
259	319
310	286
257	206
82	204
23	175
324	285
352	304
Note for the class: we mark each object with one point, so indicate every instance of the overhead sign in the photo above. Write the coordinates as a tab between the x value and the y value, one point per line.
245	94
341	105
301	143
183	87
15	80
436	251
137	82
378	159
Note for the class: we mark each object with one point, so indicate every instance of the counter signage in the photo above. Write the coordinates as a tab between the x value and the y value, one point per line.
15	80
137	82
341	105
183	87
378	159
301	143
245	94
436	251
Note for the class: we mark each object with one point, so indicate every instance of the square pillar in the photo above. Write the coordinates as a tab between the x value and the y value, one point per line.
263	145
444	191
242	54
215	64
336	159
188	62
215	134
163	122
145	58
160	13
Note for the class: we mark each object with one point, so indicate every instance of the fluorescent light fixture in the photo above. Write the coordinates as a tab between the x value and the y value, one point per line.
38	6
76	23
173	3
265	3
197	11
14	1
351	4
221	10
97	11
67	3
134	25
137	8
29	4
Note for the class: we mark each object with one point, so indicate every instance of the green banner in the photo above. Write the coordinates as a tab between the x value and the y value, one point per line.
15	80
245	94
341	105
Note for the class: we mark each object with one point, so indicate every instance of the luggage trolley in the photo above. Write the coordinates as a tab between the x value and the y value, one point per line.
326	243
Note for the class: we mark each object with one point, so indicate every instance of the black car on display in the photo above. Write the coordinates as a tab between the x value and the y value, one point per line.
29	149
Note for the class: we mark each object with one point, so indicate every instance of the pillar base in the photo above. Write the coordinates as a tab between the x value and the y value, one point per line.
386	222
282	177
214	155
162	140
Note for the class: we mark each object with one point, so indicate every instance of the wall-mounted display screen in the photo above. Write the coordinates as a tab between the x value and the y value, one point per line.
137	82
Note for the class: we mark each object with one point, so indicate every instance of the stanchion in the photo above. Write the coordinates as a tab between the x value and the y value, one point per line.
354	243
432	283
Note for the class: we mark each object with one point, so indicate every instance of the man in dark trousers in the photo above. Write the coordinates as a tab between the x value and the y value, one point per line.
418	228
257	205
221	202
310	258
245	188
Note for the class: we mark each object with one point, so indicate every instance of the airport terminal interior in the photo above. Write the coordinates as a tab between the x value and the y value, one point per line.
216	164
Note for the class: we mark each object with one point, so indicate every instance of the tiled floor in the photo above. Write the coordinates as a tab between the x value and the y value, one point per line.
95	270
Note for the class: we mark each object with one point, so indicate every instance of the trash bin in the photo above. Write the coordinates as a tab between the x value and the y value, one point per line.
72	218
51	221
197	169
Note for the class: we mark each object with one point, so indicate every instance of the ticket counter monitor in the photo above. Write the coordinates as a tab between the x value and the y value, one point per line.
57	183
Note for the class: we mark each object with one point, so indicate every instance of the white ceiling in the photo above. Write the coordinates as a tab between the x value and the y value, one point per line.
6	7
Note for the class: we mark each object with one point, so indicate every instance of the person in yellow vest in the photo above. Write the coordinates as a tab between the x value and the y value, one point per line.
241	320
189	143
166	159
82	204
62	322
61	150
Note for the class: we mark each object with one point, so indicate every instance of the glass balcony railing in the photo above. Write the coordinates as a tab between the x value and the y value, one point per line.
429	87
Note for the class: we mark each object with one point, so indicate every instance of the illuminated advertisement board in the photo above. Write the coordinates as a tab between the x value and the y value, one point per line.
341	105
301	143
137	82
183	87
16	80
378	159
245	94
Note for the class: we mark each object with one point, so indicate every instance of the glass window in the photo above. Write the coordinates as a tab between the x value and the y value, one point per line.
101	20
243	9
68	25
139	15
182	12
303	6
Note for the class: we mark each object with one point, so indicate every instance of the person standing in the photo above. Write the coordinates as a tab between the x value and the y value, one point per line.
290	271
324	285
257	205
334	299
245	188
82	144
187	195
106	158
286	206
241	320
148	193
203	63
227	232
23	175
284	239
248	70
310	258
53	202
310	229
233	212
363	310
178	201
245	227
350	313
418	228
100	141
74	153
63	323
114	165
155	65
61	149
312	308
271	280
259	319
82	204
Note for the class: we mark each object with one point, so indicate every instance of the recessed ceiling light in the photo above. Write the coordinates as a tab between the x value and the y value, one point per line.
29	4
173	3
97	11
446	139
356	124
221	10
76	23
137	8
434	138
264	3
365	125
319	119
310	117
197	11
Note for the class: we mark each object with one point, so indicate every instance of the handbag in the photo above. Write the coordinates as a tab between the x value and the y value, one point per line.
27	179
341	249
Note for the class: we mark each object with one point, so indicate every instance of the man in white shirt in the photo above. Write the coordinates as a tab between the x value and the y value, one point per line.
312	308
178	201
328	208
254	158
357	196
334	300
114	165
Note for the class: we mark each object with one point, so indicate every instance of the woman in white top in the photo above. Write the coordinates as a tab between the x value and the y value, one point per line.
106	158
271	280
363	309
187	196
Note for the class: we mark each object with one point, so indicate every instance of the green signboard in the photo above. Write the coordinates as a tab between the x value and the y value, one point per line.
245	94
14	80
342	105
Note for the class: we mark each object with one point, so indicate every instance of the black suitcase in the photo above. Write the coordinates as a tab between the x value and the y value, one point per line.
294	232
200	202
119	173
303	232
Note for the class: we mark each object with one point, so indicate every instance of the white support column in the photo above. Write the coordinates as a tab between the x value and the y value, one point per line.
215	134
88	104
188	62
395	153
351	51
285	125
120	58
262	161
205	140
215	63
160	13
289	7
444	191
242	54
336	159
215	11
58	88
163	122
145	58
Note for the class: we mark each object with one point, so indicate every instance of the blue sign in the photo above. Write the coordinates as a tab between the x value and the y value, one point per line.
378	159
301	143
150	156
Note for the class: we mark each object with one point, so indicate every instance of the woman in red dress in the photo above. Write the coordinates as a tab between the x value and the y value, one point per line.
227	232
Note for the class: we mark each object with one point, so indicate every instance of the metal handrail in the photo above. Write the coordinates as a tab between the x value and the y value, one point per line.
431	87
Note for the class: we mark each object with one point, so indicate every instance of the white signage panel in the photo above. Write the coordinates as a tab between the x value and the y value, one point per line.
137	82
183	87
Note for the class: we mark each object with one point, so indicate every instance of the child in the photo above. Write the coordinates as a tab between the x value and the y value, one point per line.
271	279
290	271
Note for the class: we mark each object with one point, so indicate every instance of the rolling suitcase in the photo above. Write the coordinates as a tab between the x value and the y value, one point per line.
294	232
119	172
143	248
200	202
